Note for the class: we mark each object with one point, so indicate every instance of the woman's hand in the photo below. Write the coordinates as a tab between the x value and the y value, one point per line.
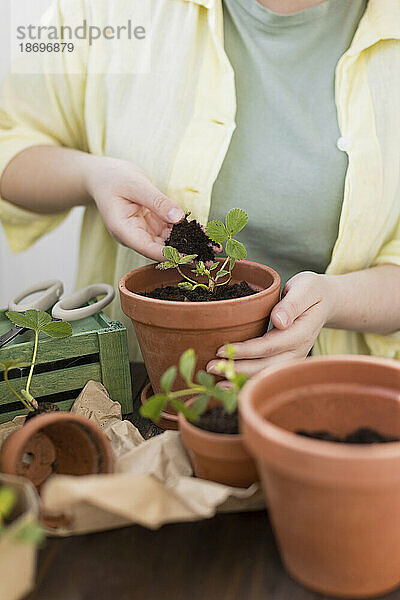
298	318
135	212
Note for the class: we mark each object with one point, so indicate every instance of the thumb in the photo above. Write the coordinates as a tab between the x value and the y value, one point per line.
149	195
298	298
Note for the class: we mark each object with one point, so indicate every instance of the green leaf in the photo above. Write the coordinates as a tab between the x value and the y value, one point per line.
200	405
32	319
154	407
187	259
187	364
213	266
205	379
236	220
185	285
168	379
239	380
7	501
171	253
216	231
57	329
187	412
236	250
227	397
231	264
221	274
30	533
230	351
168	264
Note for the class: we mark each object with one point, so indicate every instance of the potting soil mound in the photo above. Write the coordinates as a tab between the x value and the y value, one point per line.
363	435
217	420
224	292
188	237
44	408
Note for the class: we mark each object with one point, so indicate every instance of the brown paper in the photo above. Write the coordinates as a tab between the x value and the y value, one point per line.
153	481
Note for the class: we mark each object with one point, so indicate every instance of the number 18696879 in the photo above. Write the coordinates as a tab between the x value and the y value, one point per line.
47	47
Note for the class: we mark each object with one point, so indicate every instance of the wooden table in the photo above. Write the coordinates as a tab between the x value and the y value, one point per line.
229	557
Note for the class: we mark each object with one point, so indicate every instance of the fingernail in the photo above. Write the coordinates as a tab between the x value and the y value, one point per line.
221	353
283	318
210	366
175	215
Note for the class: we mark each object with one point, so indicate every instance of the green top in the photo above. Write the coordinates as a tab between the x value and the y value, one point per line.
283	165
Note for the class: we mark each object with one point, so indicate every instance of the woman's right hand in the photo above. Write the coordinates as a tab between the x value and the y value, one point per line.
134	211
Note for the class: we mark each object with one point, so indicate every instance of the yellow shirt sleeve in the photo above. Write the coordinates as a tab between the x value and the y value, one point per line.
44	108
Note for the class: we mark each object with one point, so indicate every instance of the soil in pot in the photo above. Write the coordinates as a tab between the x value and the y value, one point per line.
217	420
44	408
362	435
188	237
176	294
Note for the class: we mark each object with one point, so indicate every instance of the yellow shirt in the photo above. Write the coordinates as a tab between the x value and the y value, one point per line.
176	122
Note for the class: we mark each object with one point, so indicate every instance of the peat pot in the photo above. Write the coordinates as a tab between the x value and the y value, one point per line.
219	457
334	507
62	443
166	329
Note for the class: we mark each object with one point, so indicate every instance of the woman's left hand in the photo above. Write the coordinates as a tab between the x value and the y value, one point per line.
298	318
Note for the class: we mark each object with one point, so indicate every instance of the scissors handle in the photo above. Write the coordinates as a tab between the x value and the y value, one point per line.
70	307
51	292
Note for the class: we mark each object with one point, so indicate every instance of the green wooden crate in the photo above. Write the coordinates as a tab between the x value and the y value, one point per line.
96	350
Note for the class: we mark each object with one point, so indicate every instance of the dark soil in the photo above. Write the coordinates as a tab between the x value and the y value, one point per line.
363	435
224	292
217	420
44	408
188	237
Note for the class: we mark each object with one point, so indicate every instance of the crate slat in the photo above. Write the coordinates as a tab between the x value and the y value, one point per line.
45	384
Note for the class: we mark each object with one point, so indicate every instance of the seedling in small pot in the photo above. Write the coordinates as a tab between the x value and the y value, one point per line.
28	532
204	389
216	274
39	322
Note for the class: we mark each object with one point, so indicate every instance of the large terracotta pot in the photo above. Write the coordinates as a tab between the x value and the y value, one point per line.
219	457
335	508
166	329
62	443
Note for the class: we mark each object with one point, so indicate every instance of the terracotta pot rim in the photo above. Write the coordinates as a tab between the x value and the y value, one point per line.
267	291
44	420
308	446
208	435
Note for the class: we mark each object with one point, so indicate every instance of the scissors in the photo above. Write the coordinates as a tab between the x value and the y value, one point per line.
69	308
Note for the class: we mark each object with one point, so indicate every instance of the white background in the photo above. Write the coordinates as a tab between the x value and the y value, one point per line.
55	255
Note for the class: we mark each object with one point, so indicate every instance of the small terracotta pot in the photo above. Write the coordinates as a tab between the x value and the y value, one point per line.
219	457
62	443
334	507
166	329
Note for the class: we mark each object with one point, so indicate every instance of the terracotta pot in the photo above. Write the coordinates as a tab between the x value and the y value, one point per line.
334	507
166	329
219	457
62	443
18	559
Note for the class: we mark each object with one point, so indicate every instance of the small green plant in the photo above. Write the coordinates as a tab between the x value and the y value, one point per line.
37	321
204	388
28	532
217	275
